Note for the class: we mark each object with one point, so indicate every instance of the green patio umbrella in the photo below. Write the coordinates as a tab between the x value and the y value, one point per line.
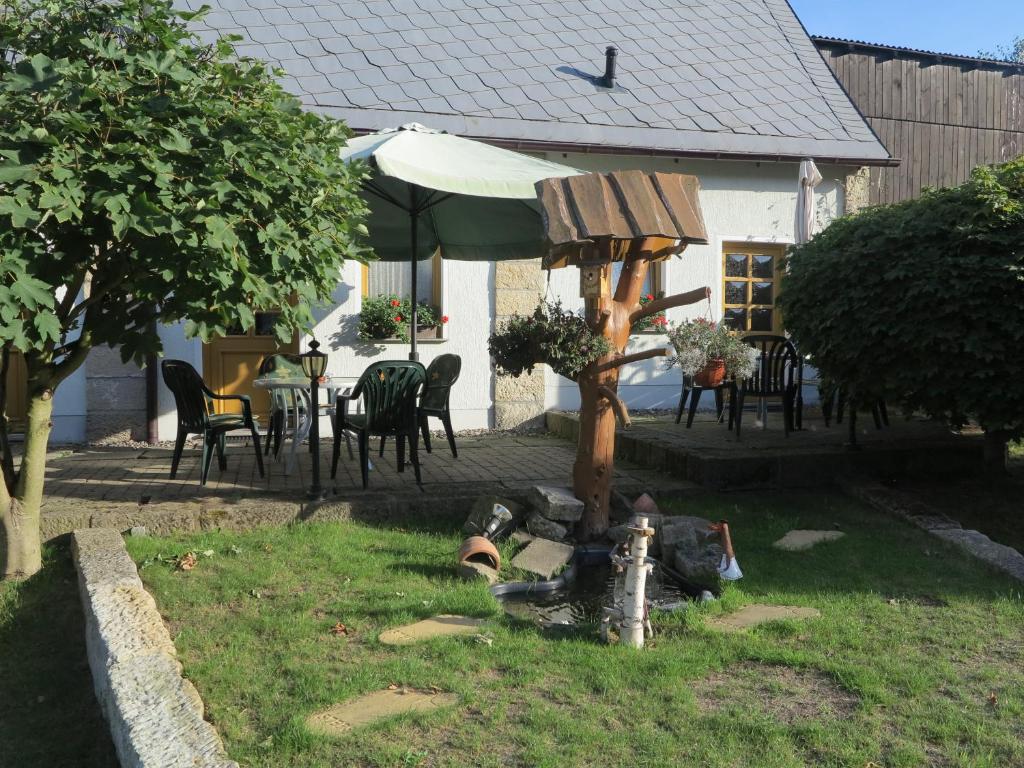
474	201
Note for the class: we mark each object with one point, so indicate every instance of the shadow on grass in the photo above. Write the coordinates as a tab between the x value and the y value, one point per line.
49	716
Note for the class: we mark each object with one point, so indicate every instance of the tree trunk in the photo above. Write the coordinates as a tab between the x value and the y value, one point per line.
595	450
996	445
20	549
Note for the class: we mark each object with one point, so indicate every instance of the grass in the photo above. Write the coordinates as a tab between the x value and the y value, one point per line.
49	716
916	660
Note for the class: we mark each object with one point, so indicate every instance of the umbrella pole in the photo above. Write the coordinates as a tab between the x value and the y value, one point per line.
414	217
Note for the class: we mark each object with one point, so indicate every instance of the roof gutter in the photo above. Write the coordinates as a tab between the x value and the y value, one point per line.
521	145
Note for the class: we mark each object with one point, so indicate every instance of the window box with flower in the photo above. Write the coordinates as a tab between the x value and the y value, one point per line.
386	317
655	323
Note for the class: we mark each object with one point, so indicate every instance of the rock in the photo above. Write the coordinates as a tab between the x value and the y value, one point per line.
543	557
470	570
752	615
138	530
548	529
522	537
645	505
693	550
483	510
556	503
798	541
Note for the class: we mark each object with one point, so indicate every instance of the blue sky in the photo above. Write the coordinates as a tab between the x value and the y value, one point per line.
948	26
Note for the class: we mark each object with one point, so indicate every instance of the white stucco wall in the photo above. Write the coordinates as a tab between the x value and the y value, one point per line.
741	201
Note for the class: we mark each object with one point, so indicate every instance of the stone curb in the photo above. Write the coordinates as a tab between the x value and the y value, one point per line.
155	715
1004	558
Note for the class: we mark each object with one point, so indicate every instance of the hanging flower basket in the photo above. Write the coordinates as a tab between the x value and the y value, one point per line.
711	375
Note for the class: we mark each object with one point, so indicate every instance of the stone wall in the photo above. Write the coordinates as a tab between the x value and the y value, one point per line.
857	191
155	715
518	402
115	398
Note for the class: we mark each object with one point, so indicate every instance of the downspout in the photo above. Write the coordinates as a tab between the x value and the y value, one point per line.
152	396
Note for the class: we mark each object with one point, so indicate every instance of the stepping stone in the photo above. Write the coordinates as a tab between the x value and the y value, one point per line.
753	615
543	557
798	541
522	537
435	626
342	718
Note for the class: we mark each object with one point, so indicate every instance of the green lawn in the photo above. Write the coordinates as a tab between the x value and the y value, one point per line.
917	659
49	717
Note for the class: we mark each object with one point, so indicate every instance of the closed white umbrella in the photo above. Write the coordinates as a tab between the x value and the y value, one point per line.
810	177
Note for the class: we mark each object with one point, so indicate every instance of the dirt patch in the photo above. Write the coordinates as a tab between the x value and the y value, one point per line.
786	694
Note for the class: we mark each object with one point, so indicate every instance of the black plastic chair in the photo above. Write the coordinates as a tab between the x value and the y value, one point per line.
691	393
282	404
194	401
389	390
442	374
779	373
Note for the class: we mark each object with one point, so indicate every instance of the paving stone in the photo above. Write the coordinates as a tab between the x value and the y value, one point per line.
342	718
436	626
470	570
543	557
556	503
753	615
801	540
522	537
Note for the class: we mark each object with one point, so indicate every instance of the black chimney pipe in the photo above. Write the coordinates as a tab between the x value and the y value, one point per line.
608	81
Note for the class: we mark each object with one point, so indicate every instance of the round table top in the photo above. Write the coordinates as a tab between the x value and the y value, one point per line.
300	382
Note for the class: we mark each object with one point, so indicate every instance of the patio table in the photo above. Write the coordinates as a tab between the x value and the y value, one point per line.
339	387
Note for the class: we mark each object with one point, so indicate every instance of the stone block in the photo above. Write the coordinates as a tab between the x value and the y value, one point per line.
518	415
538	525
523	302
556	503
470	570
799	541
106	361
519	275
525	388
543	557
116	393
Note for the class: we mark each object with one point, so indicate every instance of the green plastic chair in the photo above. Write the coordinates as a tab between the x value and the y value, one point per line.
282	402
389	390
441	375
194	401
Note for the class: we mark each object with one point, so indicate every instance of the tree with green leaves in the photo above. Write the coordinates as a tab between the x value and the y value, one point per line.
145	178
1014	52
922	303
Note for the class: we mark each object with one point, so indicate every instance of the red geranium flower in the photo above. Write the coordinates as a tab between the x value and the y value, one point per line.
395	302
650	297
444	318
398	318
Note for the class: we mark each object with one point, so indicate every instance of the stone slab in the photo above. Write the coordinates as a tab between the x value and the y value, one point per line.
342	718
470	570
802	540
556	503
435	626
543	557
538	525
753	615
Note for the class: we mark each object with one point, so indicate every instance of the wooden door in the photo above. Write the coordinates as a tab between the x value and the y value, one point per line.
230	363
17	393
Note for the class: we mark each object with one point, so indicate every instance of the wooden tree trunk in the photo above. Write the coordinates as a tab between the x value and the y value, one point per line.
609	316
20	548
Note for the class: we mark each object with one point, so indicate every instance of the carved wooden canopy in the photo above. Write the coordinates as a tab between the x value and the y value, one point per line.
608	216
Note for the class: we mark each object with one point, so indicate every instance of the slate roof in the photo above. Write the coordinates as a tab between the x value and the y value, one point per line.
727	77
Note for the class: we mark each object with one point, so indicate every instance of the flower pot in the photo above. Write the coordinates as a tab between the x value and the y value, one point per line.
477	549
711	375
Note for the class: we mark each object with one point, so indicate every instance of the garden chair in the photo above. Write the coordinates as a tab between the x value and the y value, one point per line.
389	390
442	373
778	374
285	404
194	401
691	392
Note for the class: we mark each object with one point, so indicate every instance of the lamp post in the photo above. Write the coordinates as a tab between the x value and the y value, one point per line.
314	364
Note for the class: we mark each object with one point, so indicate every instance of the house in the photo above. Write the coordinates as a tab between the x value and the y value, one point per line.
943	115
733	91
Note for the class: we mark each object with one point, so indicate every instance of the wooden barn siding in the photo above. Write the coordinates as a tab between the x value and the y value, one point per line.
941	120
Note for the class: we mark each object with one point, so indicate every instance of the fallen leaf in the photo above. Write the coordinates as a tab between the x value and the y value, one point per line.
392	687
187	561
484	639
208	553
399	594
255	593
339	629
993	700
268	548
235	549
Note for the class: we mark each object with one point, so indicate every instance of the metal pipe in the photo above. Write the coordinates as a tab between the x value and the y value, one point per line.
414	217
608	81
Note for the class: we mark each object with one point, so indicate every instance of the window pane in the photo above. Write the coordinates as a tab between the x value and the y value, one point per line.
395	277
761	293
761	320
735	265
736	319
265	323
763	266
735	292
647	289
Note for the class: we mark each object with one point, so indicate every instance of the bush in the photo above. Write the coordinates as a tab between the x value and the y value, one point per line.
387	317
551	336
922	303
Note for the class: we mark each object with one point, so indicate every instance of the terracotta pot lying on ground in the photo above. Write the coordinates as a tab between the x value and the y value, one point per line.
477	549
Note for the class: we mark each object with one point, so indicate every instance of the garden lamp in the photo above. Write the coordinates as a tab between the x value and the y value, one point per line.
314	364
